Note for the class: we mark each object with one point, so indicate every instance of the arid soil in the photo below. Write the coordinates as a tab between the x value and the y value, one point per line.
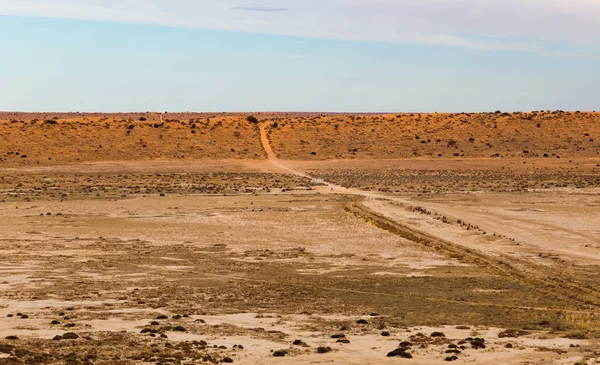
130	257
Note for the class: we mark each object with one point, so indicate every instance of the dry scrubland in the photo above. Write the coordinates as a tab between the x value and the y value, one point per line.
60	138
175	244
34	140
495	135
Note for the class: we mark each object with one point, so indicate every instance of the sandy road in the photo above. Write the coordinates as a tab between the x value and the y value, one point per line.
535	234
526	268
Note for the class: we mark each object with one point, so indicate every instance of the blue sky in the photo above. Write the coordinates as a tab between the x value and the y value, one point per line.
299	55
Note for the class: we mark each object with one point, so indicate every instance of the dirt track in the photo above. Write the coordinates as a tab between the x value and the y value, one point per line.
541	234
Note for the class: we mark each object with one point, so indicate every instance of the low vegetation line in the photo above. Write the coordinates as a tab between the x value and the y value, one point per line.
539	278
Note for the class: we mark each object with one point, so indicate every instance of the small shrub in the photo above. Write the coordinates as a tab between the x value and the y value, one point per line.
323	349
512	333
280	353
70	336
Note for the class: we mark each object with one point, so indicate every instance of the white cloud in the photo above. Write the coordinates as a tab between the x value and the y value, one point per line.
552	27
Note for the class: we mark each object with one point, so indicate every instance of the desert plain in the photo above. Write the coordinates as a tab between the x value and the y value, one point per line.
300	238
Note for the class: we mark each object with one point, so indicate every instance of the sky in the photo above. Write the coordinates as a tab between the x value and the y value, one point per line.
299	55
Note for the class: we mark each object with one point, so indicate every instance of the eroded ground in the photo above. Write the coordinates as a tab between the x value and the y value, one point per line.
164	279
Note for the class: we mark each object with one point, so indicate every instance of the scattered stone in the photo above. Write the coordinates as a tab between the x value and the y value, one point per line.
385	334
280	353
323	350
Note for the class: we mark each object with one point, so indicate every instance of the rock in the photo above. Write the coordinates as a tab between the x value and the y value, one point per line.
228	360
438	334
11	337
280	353
385	334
